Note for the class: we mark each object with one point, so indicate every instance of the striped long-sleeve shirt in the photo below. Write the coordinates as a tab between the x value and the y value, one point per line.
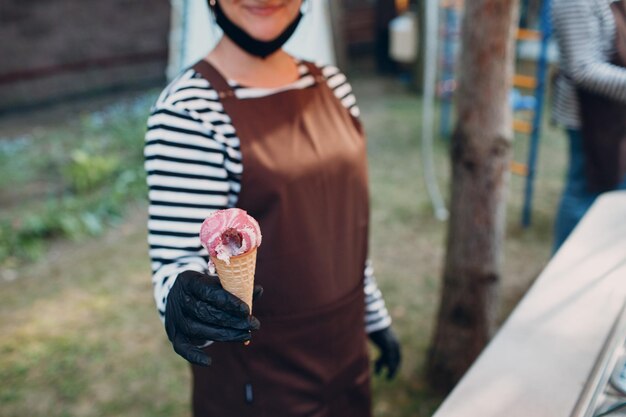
194	165
585	33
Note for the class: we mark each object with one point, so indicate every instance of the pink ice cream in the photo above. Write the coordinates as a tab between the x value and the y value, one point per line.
229	232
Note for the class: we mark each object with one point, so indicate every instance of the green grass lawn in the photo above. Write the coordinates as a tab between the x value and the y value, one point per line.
80	335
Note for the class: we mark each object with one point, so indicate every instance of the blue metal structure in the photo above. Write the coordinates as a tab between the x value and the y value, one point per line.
450	33
541	72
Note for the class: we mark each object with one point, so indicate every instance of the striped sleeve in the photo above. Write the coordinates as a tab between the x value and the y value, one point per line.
342	89
376	315
187	180
580	37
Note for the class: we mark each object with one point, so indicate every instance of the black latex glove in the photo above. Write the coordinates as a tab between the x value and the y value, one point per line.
389	347
198	309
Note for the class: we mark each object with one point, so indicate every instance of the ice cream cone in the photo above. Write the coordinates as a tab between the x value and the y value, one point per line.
238	276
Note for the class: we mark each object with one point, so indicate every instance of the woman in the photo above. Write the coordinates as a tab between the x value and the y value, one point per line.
586	34
252	127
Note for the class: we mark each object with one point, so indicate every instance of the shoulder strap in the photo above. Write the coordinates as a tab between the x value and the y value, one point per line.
217	80
315	71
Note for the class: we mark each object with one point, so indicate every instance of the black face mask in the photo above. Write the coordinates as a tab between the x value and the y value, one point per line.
248	43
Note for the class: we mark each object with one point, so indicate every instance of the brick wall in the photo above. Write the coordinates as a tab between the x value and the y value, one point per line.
62	48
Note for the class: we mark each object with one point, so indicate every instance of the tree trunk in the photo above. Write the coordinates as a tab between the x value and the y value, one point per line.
480	154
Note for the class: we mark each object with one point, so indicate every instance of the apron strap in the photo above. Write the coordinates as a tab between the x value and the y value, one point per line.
217	80
315	71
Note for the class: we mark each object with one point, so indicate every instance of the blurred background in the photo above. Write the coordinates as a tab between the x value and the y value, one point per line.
80	333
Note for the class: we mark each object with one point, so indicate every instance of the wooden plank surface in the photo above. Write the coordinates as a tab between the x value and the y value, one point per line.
539	361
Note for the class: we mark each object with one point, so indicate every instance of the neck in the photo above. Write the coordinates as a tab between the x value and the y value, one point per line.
234	63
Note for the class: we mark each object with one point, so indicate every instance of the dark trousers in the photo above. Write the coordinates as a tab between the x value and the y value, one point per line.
576	198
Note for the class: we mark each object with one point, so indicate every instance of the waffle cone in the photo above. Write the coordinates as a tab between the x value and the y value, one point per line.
238	277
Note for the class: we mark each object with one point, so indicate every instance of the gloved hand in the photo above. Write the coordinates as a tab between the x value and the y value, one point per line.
389	347
198	309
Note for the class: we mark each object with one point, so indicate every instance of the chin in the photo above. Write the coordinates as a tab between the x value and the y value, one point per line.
265	36
267	32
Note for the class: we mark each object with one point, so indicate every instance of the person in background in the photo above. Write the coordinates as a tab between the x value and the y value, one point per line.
590	103
252	127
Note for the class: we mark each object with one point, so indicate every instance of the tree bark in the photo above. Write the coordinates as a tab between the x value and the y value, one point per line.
480	155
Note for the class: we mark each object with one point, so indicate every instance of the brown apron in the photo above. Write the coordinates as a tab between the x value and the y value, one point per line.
305	181
604	122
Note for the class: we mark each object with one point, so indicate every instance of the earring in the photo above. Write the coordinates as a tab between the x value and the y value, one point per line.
212	3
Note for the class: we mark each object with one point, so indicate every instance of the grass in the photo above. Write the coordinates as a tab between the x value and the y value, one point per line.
70	181
81	336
